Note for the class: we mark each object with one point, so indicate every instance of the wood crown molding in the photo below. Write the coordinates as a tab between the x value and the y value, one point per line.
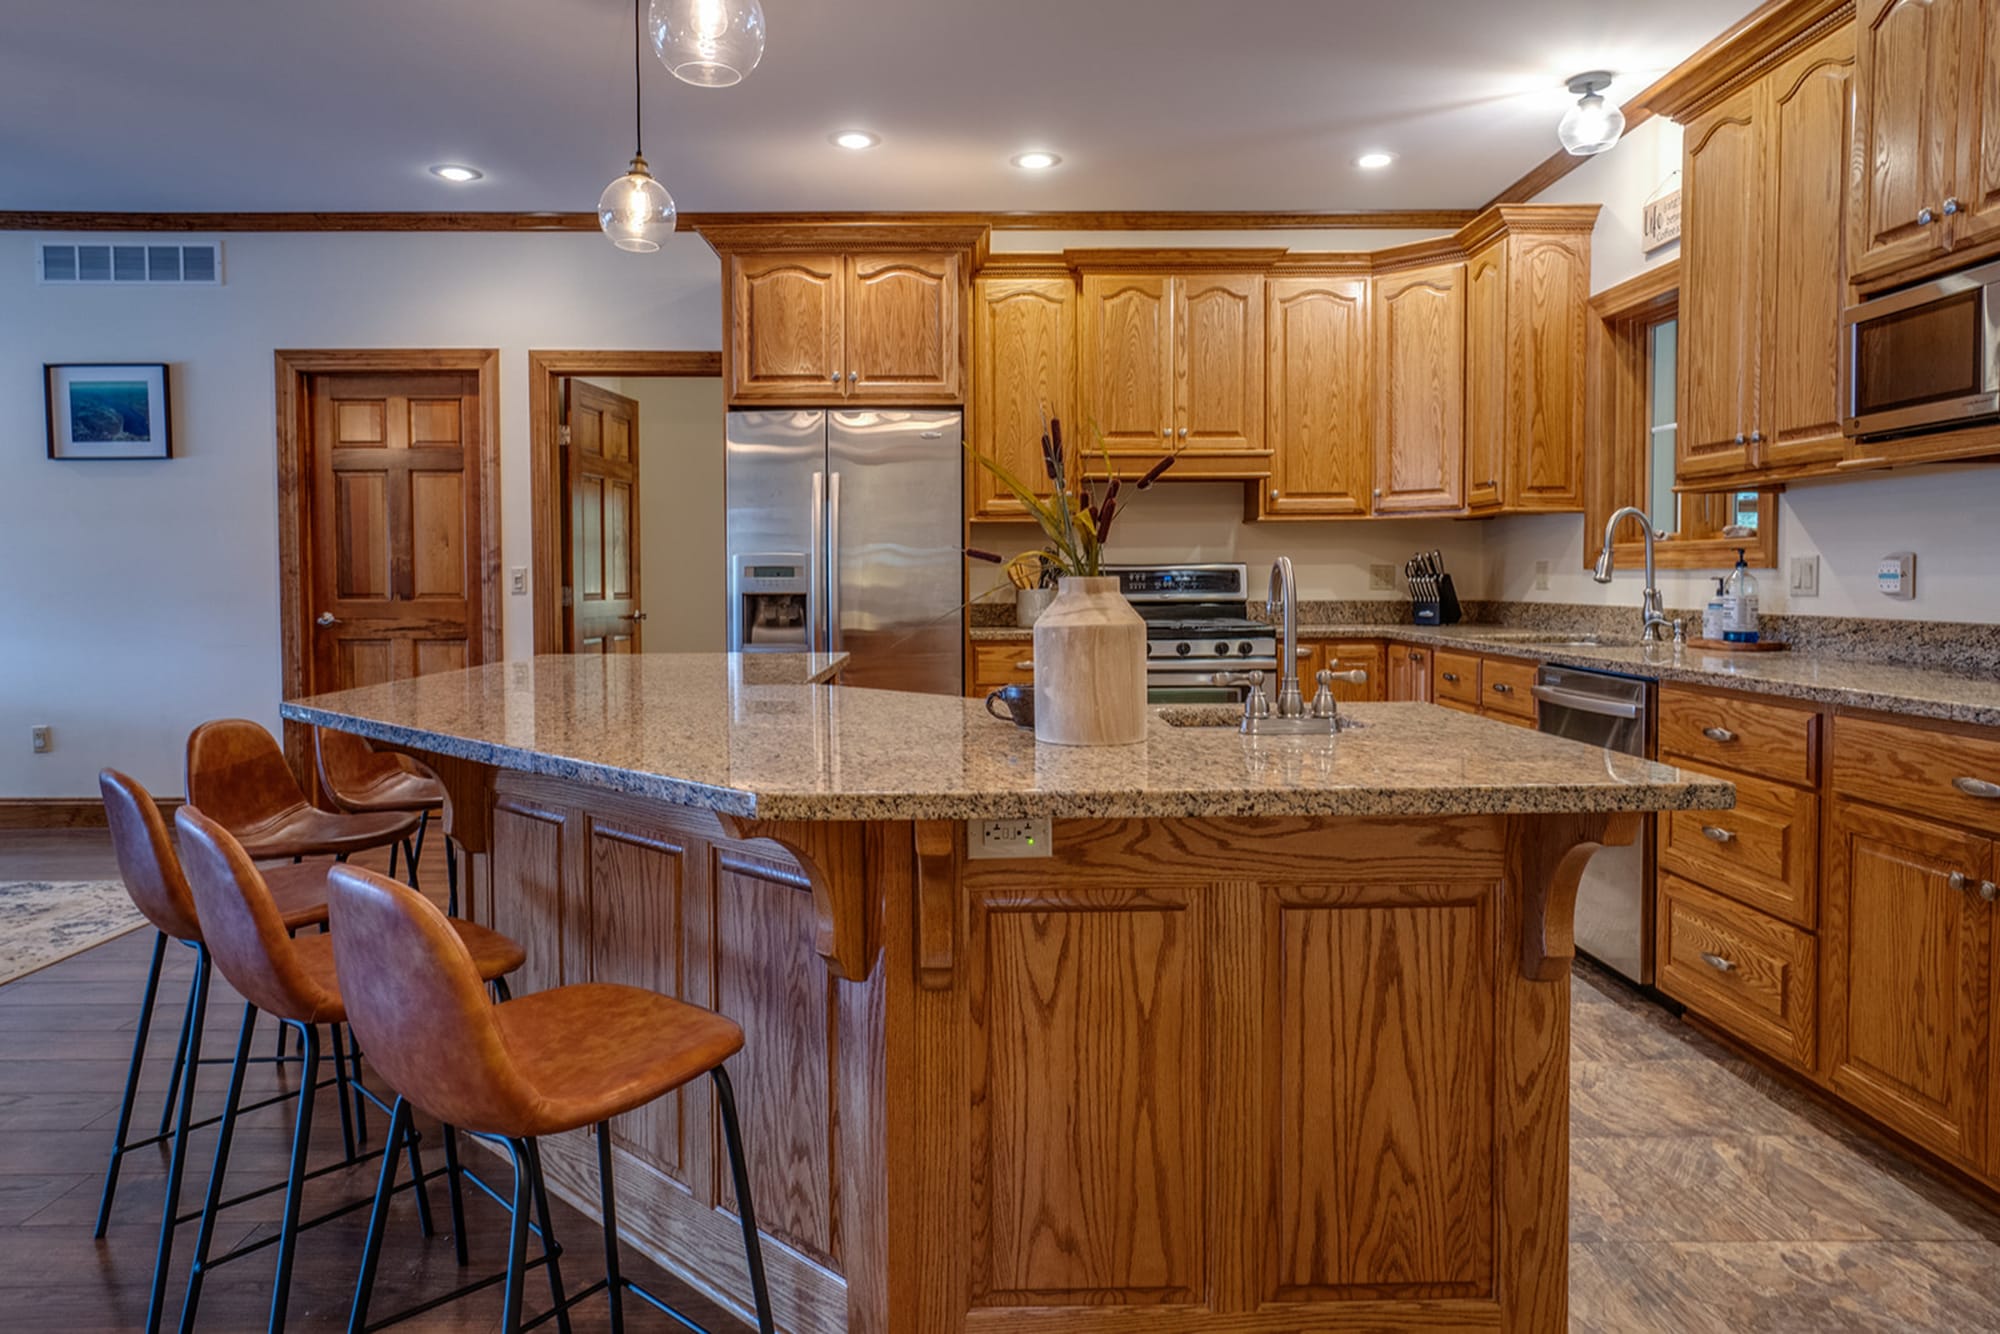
1188	258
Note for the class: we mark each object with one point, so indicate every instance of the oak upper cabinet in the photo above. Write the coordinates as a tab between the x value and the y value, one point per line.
903	343
1219	362
1318	398
1722	287
1485	375
1127	345
1911	71
1023	372
1978	217
787	327
1419	365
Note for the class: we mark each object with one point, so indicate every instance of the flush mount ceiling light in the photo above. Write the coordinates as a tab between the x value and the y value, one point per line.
856	139
1036	159
1374	161
456	173
1592	125
635	210
708	43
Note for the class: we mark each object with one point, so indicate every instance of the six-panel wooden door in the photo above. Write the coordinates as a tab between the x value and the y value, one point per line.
601	481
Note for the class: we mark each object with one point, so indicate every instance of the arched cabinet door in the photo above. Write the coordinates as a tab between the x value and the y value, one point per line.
903	329
787	328
1319	409
1419	324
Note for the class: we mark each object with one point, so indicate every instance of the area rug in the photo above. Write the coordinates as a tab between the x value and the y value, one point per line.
43	922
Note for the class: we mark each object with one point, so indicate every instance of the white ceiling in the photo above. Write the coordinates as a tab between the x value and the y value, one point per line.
194	105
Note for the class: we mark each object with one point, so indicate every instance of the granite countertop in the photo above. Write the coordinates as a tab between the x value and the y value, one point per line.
698	730
1821	678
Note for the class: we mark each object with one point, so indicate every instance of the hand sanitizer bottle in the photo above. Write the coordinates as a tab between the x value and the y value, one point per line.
1739	604
1711	614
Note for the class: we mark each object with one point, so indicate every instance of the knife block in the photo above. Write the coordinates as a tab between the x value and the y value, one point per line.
1444	609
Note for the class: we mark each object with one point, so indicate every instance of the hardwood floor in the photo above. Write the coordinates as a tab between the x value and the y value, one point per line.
65	1036
1705	1196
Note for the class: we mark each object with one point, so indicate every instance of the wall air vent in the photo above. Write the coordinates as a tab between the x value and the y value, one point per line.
197	262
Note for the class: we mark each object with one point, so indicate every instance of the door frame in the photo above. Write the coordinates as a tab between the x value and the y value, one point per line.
294	368
545	457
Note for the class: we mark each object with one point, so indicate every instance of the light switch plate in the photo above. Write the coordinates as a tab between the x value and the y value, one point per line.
987	840
1541	576
517	580
1381	578
1805	577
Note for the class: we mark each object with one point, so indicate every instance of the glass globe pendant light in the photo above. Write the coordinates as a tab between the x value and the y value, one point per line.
635	210
1592	125
708	43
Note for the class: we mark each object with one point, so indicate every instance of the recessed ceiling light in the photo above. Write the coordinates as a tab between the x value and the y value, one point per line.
1374	161
1035	160
457	174
856	139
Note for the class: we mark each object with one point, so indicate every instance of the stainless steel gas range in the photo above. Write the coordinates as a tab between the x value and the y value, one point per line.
1197	625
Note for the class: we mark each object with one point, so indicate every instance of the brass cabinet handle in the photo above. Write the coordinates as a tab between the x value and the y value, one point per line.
1718	835
1717	962
1977	787
1718	734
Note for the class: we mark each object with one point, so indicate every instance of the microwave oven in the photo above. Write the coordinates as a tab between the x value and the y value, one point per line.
1926	358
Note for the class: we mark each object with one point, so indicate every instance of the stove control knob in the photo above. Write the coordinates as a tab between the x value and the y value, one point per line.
1184	648
1246	648
1222	648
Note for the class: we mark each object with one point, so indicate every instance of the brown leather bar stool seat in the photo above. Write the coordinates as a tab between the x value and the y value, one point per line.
364	781
542	1064
237	776
294	980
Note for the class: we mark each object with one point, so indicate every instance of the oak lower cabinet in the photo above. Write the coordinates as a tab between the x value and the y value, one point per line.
1409	672
1344	655
1492	687
1023	374
1318	399
995	663
1419	369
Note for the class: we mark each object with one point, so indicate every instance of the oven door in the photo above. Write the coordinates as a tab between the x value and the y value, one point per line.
1196	684
1927	358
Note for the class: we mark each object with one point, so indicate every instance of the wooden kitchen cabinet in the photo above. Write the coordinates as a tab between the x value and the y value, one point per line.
995	663
1344	655
1318	399
1127	346
787	328
1023	373
1722	288
903	315
1978	218
1219	362
1912	75
1409	672
1419	364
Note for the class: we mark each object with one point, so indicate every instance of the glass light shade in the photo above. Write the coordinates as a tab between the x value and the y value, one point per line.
1591	126
708	43
636	211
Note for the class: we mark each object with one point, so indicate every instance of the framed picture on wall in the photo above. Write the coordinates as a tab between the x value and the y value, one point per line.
108	410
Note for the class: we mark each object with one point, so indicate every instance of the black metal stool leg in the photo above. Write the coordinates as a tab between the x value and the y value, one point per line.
360	1097
219	1169
456	1187
450	876
550	1250
180	1058
340	1090
392	860
378	1220
517	1240
131	1086
170	1209
425	1223
753	1249
288	1236
614	1283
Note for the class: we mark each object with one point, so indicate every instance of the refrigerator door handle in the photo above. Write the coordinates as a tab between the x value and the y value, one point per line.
815	572
833	562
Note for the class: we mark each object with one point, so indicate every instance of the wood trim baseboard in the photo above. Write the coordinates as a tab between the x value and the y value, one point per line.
545	459
66	812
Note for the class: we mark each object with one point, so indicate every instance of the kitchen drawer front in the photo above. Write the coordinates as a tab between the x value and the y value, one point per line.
1744	735
1462	705
1506	686
1751	975
1942	775
1765	853
996	665
1457	678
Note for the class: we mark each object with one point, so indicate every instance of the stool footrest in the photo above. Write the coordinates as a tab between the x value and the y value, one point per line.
481	1285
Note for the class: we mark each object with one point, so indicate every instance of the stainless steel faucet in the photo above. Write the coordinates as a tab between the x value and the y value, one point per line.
1654	619
1291	704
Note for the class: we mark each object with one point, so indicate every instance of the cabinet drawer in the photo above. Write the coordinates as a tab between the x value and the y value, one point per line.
996	665
1462	705
1507	687
1457	678
1944	775
1750	974
1764	853
1744	735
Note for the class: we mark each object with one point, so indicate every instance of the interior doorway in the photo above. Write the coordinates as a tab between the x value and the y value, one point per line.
626	465
388	517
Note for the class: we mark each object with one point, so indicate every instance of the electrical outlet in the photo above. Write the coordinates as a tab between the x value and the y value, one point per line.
1541	576
1805	577
1381	578
38	738
517	581
992	839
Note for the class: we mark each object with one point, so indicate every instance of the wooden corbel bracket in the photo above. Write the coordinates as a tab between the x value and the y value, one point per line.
1546	857
832	854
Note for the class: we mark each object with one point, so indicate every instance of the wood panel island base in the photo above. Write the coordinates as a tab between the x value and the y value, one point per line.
1275	1037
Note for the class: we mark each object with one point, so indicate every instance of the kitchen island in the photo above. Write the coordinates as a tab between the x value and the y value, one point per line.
1268	1034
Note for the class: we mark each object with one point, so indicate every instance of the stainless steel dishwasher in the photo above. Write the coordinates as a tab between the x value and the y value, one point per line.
1614	905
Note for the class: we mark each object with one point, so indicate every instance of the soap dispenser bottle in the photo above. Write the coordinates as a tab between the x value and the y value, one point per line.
1739	604
1711	614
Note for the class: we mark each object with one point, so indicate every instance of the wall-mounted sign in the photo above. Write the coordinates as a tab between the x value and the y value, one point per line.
1660	224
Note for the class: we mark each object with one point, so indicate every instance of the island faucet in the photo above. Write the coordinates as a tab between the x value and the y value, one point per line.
1290	703
1654	621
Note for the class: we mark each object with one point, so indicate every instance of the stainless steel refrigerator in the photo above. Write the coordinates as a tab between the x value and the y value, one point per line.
844	536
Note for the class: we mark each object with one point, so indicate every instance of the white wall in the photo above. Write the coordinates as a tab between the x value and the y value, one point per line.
137	599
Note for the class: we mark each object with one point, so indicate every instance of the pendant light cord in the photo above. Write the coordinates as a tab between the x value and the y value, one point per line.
638	122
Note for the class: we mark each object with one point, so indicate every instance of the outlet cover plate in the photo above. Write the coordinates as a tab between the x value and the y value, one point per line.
38	738
1541	576
1381	578
1805	577
993	840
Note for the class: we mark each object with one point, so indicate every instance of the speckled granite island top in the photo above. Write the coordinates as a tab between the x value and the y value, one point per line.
701	730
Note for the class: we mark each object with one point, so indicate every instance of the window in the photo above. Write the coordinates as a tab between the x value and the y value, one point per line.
1633	414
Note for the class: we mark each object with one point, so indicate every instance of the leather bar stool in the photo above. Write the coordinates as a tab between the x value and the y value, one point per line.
363	780
291	978
237	776
537	1065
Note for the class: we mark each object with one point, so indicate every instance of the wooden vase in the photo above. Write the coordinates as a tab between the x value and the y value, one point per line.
1090	667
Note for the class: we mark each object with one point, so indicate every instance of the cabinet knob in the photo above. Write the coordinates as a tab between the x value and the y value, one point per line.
1756	437
852	376
1741	438
1166	433
1959	881
834	378
1183	432
1274	493
1988	891
1951	206
1721	734
1925	217
1378	493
